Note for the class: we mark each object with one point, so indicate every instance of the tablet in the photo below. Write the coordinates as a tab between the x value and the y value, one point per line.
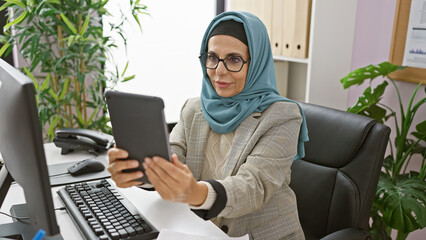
139	126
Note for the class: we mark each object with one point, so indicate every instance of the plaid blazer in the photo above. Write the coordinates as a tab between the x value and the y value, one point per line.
257	172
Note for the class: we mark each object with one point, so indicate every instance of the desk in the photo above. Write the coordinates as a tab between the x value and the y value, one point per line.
161	213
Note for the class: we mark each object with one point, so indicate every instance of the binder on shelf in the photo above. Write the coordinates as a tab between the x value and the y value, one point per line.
296	24
277	27
263	10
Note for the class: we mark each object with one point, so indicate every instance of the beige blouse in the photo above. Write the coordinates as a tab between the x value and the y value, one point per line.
218	147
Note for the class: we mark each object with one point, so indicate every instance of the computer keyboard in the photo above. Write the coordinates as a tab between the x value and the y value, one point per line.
100	212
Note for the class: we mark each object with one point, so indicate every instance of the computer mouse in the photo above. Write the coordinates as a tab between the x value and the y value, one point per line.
86	166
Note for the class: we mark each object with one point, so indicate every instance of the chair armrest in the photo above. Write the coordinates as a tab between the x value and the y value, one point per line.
348	234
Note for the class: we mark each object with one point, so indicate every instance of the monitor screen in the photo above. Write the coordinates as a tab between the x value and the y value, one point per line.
21	147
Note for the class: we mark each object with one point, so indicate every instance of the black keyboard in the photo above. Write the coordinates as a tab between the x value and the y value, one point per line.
100	212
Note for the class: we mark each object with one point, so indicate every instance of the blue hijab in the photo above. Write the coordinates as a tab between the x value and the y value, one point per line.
224	114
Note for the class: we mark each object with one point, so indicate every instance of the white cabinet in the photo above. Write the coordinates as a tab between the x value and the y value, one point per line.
314	79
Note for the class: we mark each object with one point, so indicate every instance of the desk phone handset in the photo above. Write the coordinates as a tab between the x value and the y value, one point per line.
70	139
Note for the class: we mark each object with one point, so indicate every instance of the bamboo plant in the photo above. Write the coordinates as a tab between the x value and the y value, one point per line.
65	49
400	198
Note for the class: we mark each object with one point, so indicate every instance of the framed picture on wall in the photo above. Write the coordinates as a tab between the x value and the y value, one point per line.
411	51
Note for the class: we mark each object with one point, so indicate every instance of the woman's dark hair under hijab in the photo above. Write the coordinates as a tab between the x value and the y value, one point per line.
231	28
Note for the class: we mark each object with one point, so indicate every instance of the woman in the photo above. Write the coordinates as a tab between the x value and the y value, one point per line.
234	146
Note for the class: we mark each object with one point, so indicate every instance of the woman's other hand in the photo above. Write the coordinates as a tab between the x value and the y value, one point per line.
116	166
174	181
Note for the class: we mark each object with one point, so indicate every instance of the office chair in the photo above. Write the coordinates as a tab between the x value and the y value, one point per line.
336	182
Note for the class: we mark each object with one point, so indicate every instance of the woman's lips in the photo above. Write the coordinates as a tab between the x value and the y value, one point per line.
222	84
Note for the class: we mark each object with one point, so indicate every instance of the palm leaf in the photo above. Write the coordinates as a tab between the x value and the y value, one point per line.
403	204
367	103
358	76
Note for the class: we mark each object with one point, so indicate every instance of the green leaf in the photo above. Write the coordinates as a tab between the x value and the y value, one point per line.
403	203
4	48
376	112
8	51
421	131
16	2
135	16
30	3
128	78
16	21
37	59
45	83
70	40
64	89
85	24
34	46
125	69
420	148
68	23
4	6
30	75
37	99
422	174
25	45
53	1
47	12
388	163
53	94
4	39
358	76
367	103
93	116
421	128
80	117
53	125
38	9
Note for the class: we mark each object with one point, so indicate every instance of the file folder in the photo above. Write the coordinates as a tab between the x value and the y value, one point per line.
277	27
296	24
262	9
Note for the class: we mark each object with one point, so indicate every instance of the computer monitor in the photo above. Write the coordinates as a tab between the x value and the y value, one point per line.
21	147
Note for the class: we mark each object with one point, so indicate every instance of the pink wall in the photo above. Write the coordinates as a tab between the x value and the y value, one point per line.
373	33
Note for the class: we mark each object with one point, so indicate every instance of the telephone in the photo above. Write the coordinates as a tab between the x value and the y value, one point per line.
70	139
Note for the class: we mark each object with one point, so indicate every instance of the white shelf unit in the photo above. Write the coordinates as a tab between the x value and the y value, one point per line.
316	79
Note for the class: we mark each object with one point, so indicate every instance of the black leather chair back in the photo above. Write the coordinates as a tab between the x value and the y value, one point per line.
335	183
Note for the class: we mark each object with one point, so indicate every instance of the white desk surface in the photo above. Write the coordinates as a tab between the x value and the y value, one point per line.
161	213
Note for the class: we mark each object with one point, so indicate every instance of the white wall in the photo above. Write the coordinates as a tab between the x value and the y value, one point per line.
164	56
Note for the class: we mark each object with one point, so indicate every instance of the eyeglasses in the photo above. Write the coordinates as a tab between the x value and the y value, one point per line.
231	63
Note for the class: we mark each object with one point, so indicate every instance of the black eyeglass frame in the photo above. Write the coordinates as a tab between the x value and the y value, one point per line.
223	61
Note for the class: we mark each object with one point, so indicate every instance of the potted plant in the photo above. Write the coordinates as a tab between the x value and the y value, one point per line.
401	195
65	48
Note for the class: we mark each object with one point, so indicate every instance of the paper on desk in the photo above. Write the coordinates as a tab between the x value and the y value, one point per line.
167	234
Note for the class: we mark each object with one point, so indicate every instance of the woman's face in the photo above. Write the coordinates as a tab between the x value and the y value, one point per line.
224	82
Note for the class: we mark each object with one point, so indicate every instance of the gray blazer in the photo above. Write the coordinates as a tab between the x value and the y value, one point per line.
258	200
